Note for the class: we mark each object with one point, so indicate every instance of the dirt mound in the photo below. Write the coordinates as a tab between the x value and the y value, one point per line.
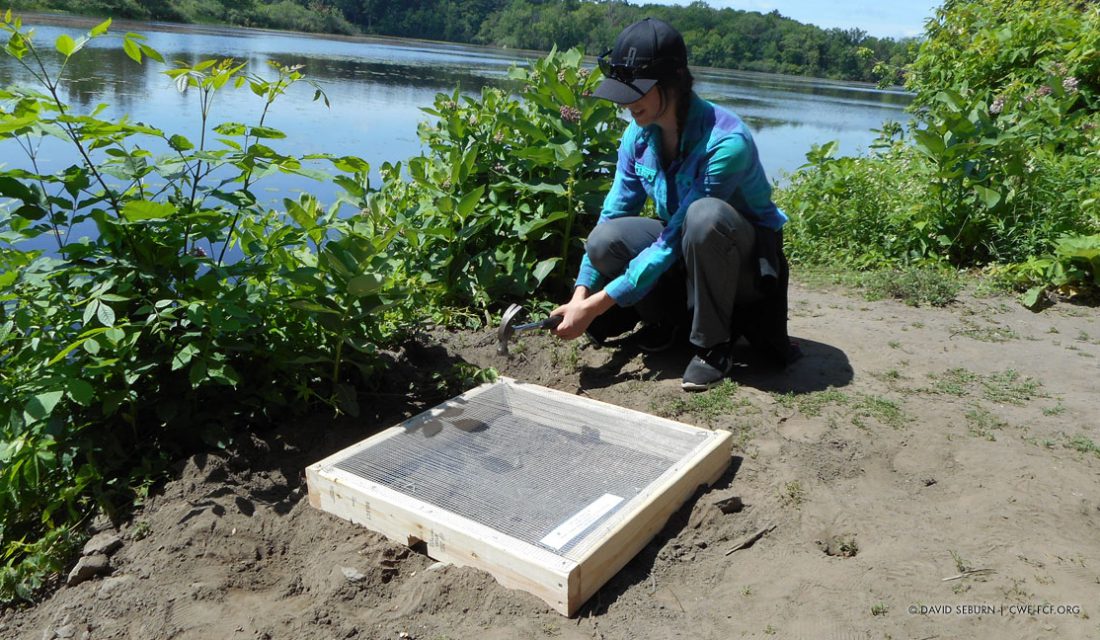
919	473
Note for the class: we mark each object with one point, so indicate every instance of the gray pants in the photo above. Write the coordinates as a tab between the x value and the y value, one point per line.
715	273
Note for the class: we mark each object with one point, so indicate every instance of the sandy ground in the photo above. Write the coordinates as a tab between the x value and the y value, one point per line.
931	473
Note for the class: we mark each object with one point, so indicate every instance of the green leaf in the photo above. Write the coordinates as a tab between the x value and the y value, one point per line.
266	132
65	45
989	197
105	315
469	202
151	53
365	284
180	143
90	310
100	28
81	392
544	268
131	49
42	405
542	155
1031	297
15	124
5	330
136	210
184	356
929	143
12	188
197	373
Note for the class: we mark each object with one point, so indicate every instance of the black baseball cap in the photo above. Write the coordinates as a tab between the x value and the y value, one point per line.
644	53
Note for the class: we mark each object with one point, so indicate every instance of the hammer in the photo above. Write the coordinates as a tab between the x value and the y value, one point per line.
508	326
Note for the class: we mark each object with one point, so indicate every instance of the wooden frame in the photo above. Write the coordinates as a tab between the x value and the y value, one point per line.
563	583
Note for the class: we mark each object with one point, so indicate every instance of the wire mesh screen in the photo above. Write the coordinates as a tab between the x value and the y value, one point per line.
503	458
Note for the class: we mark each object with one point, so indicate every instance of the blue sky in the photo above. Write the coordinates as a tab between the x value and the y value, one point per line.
879	18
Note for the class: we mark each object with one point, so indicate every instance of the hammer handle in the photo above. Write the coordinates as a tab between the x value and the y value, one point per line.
548	323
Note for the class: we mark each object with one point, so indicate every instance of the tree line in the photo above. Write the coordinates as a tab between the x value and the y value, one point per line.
723	38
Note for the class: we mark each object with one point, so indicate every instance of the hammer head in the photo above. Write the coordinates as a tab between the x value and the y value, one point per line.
507	328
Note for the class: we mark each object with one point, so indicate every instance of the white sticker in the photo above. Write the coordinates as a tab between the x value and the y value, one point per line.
580	521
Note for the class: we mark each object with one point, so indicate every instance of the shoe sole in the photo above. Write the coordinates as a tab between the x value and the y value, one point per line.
695	386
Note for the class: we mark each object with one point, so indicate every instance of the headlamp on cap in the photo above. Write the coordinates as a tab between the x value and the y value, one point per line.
644	53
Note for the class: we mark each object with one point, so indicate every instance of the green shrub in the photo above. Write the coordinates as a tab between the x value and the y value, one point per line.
192	313
500	198
1001	163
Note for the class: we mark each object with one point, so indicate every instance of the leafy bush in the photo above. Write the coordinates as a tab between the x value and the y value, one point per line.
855	211
1001	163
498	199
194	310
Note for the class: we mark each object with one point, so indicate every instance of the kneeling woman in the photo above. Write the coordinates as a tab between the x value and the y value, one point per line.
713	261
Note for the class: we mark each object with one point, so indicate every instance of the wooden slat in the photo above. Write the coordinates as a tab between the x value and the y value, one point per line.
449	537
618	425
646	518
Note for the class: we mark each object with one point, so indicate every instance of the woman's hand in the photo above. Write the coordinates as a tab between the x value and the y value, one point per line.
579	312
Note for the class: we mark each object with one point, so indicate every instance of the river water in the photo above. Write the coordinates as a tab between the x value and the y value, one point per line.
377	86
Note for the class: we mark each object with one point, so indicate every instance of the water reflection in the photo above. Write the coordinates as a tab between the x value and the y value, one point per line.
377	87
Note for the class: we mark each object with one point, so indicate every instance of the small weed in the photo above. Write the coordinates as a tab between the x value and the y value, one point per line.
884	410
982	423
840	546
960	564
914	286
1007	386
960	587
954	382
1004	387
894	344
1083	336
746	591
879	609
463	376
1083	444
769	630
811	404
893	375
792	494
142	529
994	333
707	406
1056	410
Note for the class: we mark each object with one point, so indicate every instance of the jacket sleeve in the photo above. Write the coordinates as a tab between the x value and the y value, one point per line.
722	168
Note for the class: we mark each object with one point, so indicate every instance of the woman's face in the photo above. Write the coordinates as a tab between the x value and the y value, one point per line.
648	108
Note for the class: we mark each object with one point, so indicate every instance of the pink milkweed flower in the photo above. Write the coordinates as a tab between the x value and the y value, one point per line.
570	114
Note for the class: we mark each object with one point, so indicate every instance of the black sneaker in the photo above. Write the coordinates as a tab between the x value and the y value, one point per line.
657	337
707	368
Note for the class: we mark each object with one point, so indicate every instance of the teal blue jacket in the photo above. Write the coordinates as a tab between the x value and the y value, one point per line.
718	159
